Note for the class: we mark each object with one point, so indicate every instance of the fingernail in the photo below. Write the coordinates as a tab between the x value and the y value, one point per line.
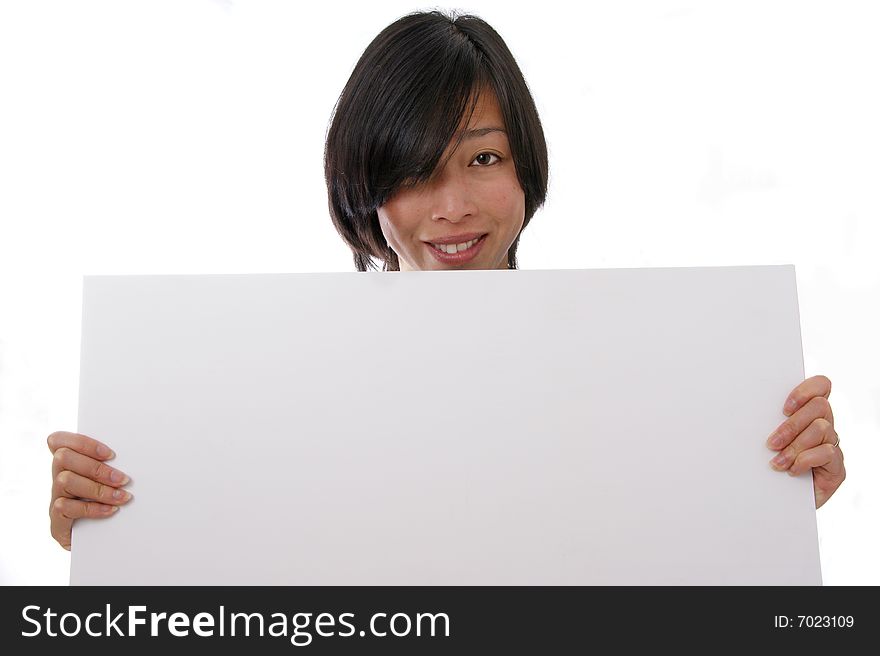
119	478
775	441
779	460
789	406
104	451
121	494
791	473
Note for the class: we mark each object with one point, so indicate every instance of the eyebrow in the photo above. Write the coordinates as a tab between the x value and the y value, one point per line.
481	132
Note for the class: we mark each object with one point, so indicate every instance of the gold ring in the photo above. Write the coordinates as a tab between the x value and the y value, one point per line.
837	442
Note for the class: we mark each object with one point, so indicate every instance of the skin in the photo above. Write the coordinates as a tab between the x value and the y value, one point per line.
83	484
476	191
806	440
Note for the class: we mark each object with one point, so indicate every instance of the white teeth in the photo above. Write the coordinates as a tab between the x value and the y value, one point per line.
455	248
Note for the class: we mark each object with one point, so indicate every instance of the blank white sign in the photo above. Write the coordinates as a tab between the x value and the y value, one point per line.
452	427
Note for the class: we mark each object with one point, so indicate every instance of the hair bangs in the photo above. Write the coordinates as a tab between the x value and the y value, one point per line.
425	119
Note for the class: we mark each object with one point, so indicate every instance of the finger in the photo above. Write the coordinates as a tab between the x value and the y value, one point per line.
828	478
66	458
800	395
80	443
70	484
820	431
817	407
63	511
825	456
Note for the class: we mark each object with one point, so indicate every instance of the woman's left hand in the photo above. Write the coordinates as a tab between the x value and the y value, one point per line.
807	439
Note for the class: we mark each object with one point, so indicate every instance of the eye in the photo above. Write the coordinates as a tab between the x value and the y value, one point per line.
486	159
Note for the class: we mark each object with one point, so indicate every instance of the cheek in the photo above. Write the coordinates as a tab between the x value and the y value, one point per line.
398	219
508	203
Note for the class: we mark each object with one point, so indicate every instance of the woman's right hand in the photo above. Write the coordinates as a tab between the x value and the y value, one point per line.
83	485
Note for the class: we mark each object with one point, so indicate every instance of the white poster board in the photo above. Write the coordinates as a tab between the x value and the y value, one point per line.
439	428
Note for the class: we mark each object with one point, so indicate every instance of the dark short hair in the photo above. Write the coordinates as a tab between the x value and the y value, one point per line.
401	107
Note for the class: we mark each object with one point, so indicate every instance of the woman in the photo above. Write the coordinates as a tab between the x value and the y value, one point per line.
436	159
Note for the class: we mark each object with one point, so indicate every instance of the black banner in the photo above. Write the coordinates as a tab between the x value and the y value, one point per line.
434	620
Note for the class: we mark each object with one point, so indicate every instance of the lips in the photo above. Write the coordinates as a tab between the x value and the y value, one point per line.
459	257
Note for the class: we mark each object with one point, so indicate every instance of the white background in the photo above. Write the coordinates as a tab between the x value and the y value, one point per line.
187	136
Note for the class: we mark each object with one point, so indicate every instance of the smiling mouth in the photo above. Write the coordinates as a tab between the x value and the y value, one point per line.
452	249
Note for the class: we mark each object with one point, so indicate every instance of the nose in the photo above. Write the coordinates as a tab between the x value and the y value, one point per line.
451	197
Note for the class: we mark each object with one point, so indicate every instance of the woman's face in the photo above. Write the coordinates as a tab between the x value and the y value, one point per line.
472	207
